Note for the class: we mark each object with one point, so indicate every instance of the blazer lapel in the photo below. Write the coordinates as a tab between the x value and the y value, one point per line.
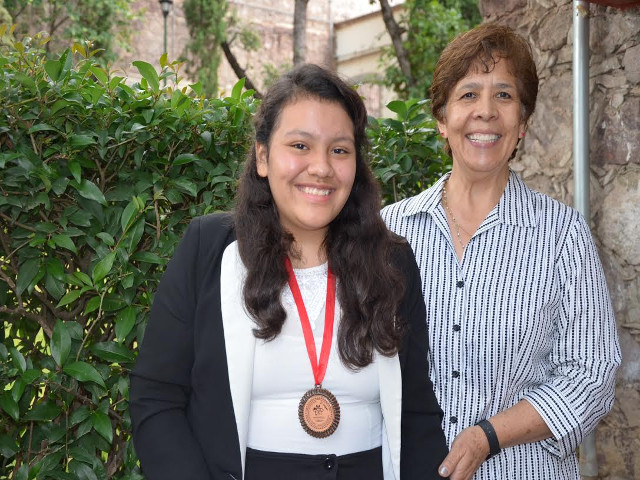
239	340
391	405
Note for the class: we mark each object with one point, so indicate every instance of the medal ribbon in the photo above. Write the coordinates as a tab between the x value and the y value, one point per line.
319	368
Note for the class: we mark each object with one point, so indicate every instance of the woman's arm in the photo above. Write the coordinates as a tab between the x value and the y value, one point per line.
160	381
580	386
513	426
423	444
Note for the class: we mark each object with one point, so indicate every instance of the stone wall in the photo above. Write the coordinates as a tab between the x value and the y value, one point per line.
546	163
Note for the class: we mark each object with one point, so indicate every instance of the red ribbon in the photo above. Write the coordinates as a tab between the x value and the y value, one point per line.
319	368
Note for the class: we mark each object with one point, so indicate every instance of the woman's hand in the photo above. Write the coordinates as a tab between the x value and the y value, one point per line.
469	449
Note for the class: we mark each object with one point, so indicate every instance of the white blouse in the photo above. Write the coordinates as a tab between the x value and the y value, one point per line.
282	374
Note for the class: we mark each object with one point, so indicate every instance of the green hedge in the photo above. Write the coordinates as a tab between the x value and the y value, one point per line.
97	181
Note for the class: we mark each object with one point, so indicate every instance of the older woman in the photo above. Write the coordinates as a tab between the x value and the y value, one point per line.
524	345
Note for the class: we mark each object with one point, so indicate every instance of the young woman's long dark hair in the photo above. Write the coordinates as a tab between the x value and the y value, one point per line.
358	245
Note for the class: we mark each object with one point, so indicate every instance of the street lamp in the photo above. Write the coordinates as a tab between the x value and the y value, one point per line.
166	9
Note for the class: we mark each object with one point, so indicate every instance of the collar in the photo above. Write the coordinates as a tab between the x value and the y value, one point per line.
517	205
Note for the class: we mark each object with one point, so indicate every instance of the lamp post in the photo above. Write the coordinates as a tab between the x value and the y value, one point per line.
166	8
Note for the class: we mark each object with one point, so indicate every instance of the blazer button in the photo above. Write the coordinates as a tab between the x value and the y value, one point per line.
329	463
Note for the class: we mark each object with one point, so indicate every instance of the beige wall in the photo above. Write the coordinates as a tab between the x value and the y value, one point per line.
358	45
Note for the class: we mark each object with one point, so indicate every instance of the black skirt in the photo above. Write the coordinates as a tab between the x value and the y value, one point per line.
260	465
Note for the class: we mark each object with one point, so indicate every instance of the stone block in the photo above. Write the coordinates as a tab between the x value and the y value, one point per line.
619	228
631	64
617	134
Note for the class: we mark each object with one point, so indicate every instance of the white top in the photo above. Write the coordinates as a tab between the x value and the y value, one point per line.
525	314
282	374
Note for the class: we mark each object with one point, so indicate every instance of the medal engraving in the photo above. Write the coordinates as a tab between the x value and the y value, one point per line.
319	412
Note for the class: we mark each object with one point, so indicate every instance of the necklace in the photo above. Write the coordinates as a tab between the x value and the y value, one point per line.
458	228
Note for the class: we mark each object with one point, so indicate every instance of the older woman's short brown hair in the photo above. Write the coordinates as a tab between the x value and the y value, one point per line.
484	45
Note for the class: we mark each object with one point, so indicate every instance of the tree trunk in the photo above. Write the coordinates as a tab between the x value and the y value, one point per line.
300	32
395	32
238	70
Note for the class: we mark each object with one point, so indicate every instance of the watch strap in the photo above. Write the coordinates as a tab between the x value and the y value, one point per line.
492	437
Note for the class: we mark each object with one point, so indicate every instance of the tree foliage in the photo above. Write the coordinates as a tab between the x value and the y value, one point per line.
430	25
207	30
406	152
213	28
106	22
5	17
97	182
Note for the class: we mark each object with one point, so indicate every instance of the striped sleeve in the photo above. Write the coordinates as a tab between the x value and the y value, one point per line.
585	356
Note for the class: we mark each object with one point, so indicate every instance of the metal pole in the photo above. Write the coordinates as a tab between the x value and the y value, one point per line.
588	453
581	106
165	34
165	42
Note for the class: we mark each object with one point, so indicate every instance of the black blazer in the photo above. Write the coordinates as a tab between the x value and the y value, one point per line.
184	422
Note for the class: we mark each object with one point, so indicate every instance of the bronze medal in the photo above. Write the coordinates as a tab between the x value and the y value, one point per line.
319	412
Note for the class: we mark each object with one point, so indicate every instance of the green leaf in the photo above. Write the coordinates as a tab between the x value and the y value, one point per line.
89	190
125	321
112	352
60	343
135	235
100	74
64	241
82	471
53	68
41	127
81	140
9	406
92	305
30	376
8	446
106	238
42	412
84	278
79	415
197	87
399	107
149	73
114	82
103	267
148	257
18	359
237	89
22	473
128	214
76	170
184	158
69	297
28	271
102	424
84	372
186	186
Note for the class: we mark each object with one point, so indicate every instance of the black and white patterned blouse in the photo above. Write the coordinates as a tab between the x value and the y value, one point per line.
525	314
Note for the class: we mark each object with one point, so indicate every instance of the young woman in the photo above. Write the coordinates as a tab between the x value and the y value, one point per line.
288	339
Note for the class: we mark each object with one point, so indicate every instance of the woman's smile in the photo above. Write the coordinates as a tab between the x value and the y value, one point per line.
310	163
483	120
